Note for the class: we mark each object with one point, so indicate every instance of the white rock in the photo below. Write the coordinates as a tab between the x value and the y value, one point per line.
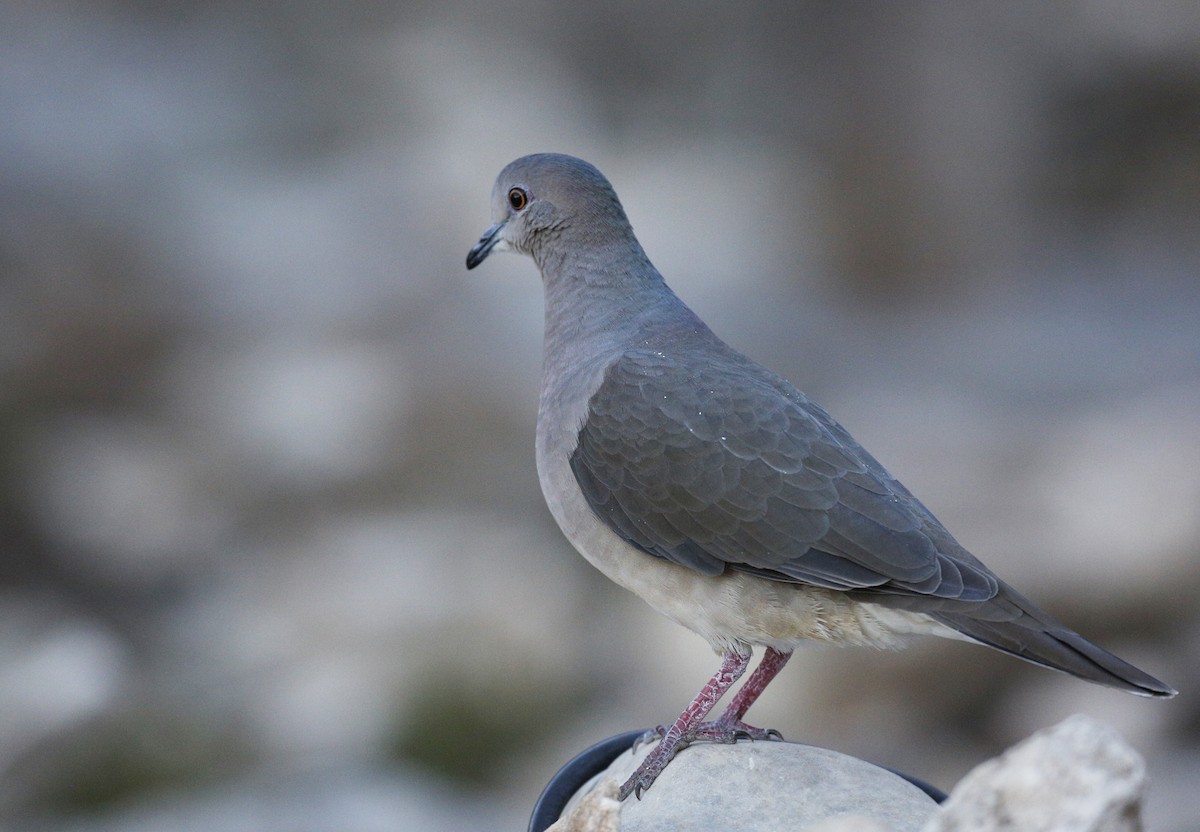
1079	776
754	787
598	810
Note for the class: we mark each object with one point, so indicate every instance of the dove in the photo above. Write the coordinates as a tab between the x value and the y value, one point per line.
719	493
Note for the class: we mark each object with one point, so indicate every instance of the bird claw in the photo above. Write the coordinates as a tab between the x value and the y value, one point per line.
652	735
652	766
732	731
718	732
634	786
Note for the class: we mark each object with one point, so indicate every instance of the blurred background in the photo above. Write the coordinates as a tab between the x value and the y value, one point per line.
273	554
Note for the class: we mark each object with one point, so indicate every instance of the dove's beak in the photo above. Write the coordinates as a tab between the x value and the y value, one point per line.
490	239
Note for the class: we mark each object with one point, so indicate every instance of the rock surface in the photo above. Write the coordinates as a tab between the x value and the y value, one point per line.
1078	776
754	787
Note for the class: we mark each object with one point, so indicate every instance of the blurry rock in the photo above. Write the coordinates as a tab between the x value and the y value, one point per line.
753	786
598	811
123	498
1078	776
57	670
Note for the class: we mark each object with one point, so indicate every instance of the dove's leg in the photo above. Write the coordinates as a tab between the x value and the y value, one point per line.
729	727
683	731
730	722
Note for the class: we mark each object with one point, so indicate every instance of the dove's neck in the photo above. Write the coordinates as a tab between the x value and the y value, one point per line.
609	300
595	313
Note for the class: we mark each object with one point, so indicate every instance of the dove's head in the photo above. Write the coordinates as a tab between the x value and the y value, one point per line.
547	204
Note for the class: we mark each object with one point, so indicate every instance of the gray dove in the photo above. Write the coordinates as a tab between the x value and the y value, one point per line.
719	493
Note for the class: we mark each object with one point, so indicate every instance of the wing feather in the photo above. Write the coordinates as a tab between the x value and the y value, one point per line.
730	467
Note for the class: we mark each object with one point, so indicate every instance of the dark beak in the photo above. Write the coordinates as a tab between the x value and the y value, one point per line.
484	247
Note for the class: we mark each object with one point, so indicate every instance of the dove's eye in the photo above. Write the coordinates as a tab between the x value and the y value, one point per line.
518	199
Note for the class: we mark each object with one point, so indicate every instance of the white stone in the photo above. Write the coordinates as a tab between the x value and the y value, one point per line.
1078	776
757	787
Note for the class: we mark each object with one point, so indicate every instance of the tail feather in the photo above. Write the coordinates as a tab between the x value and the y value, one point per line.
1033	635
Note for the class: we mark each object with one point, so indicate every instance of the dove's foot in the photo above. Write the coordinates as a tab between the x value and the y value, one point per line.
719	731
652	766
690	728
727	731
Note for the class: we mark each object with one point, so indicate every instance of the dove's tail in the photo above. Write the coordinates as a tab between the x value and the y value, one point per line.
1012	623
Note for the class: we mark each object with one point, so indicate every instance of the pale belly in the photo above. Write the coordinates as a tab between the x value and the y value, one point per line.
733	611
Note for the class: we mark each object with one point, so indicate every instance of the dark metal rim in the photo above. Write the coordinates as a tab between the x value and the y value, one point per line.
583	767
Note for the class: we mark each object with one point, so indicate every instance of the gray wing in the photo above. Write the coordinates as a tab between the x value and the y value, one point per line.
713	462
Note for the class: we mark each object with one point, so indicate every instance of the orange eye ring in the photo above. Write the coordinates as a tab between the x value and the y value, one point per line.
518	199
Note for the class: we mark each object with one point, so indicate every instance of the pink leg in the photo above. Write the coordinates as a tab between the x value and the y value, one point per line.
683	730
772	662
730	727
